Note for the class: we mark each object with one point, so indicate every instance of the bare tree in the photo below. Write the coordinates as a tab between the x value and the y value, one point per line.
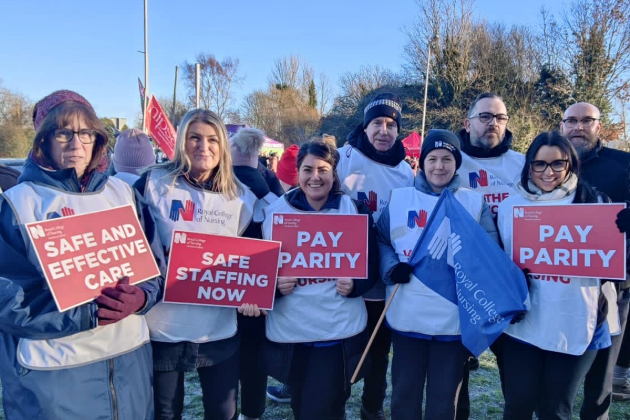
16	127
291	72
354	86
325	93
598	43
218	80
167	106
453	21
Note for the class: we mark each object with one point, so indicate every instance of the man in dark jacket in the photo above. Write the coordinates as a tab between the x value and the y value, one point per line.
608	170
8	177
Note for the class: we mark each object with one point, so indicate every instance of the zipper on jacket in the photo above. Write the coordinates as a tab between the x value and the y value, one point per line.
112	389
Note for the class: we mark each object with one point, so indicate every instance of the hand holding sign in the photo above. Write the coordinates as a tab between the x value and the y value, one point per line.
117	303
286	285
345	286
247	309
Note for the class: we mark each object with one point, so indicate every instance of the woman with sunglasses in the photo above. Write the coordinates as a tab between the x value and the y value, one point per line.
547	354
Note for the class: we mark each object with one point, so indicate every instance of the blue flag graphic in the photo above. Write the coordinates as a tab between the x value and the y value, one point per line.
457	259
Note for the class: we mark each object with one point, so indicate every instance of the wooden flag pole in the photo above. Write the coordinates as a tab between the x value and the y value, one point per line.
376	328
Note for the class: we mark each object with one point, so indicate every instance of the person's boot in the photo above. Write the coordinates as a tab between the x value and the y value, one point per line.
621	389
279	394
372	415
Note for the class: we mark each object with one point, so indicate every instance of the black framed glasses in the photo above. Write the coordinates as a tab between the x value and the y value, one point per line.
556	166
585	122
65	135
486	117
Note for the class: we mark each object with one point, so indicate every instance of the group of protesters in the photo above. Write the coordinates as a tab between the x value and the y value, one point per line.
125	354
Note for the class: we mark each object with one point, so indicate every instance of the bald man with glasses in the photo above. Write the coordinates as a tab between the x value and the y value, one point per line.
608	170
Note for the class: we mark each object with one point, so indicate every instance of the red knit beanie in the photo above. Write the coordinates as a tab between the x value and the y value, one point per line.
44	106
287	166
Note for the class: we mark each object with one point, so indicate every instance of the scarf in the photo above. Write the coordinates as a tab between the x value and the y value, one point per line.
392	157
566	189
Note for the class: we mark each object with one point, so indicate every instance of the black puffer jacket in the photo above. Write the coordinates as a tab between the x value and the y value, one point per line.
608	170
8	177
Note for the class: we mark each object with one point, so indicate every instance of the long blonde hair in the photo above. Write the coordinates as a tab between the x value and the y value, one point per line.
224	180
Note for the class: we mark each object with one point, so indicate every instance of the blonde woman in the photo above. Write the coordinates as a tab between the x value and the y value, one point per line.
197	191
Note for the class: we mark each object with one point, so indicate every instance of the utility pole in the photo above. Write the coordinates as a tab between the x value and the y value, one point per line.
146	67
174	98
434	40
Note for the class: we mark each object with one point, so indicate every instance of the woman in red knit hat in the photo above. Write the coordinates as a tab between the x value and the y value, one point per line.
287	168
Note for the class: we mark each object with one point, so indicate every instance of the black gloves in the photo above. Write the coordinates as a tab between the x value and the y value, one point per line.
623	221
521	315
401	273
526	271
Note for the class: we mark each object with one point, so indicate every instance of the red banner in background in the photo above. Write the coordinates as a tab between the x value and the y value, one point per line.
160	128
81	255
580	240
214	270
322	245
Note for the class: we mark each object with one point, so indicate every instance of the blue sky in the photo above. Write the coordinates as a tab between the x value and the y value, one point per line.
92	46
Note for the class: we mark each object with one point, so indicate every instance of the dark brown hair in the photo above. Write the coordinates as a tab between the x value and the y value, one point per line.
551	139
61	116
325	152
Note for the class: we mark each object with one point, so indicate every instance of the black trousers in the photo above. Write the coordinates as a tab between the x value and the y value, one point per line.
253	375
318	383
541	380
439	363
375	383
463	403
598	382
219	386
623	359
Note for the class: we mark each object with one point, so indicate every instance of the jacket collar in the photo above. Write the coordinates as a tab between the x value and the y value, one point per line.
423	186
63	179
296	198
593	154
392	157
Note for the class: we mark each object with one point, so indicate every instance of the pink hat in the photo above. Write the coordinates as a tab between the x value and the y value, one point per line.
287	166
44	106
133	151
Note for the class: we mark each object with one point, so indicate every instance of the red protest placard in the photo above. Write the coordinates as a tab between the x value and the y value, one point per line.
322	245
160	128
205	269
81	255
581	240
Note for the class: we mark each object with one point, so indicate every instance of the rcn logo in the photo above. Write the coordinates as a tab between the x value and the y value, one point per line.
445	240
278	219
179	237
416	219
370	200
519	212
187	212
65	211
478	179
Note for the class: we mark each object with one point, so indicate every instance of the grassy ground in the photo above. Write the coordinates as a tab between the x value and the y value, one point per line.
485	398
